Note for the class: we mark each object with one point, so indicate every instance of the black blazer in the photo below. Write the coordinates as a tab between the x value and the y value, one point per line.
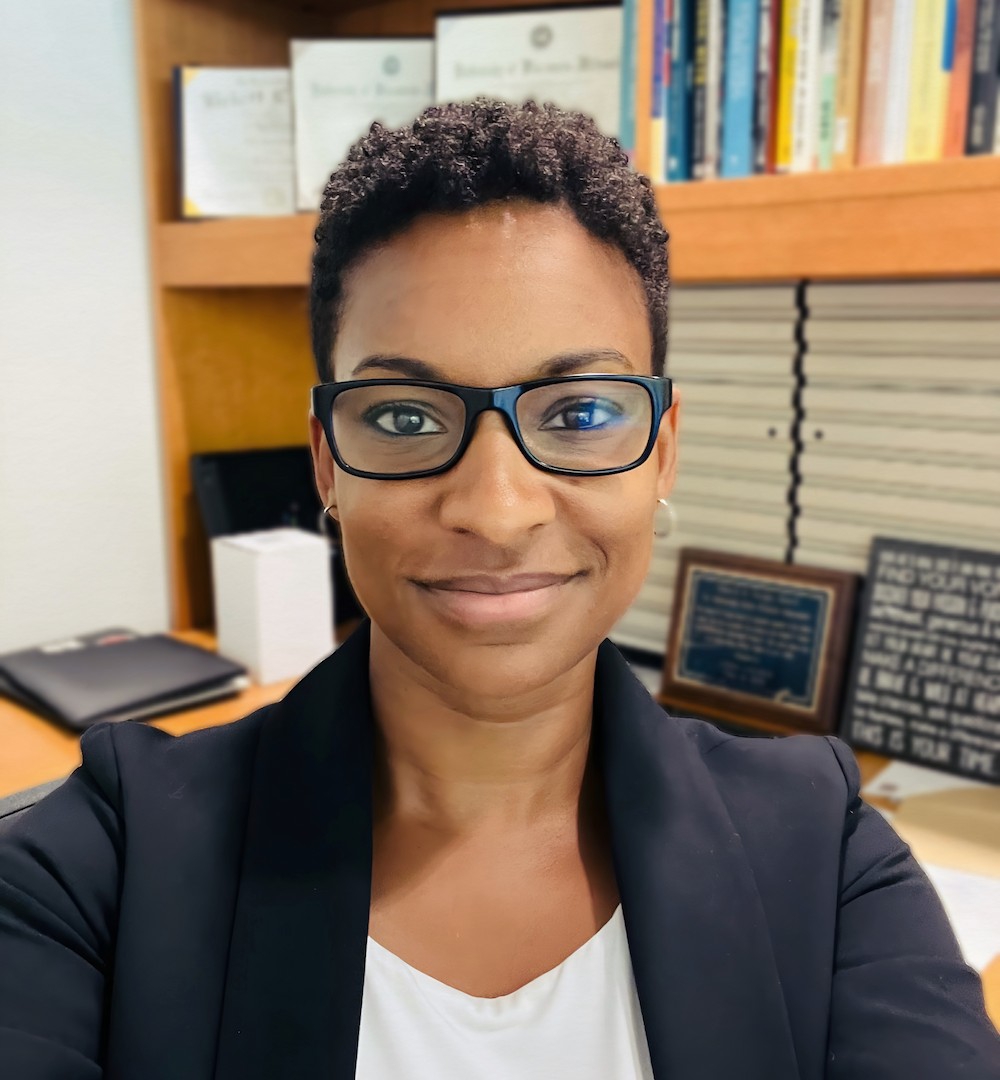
196	907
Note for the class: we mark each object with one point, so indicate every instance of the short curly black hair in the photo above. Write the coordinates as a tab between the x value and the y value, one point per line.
456	156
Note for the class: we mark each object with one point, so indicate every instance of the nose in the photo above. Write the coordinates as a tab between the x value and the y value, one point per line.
494	491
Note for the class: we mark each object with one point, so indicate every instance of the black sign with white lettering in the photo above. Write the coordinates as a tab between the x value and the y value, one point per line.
925	675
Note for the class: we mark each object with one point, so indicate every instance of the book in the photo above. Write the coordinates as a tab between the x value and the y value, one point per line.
750	301
658	127
828	67
340	87
875	83
766	87
983	85
116	674
699	91
786	83
737	157
627	77
905	371
850	66
897	109
714	66
957	115
931	61
951	338
748	334
641	88
902	299
680	91
235	141
805	107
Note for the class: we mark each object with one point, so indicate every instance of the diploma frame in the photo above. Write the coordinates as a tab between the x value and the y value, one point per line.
831	594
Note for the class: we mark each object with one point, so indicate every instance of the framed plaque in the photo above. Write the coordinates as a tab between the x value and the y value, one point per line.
758	643
925	675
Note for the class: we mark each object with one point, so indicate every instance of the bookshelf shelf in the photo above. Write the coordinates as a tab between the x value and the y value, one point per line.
937	219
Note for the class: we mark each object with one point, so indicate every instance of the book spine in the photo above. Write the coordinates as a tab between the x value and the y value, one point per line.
786	83
714	87
961	76
983	85
657	130
805	110
643	82
897	108
738	99
763	83
829	44
627	74
679	120
850	64
928	81
772	129
875	84
699	89
670	8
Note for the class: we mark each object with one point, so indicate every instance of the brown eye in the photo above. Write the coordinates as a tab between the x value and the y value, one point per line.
403	419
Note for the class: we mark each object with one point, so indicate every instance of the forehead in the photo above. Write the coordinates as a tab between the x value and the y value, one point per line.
486	295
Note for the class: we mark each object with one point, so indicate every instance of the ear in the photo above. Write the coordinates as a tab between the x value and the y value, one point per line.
666	447
324	467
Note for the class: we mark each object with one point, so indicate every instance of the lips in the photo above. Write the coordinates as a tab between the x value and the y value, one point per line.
474	601
488	583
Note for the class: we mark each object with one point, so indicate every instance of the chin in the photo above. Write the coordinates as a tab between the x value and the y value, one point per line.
494	661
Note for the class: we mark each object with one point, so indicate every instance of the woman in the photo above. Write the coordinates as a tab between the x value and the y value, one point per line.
468	843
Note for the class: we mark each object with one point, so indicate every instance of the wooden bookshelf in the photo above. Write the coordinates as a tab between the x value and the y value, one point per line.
941	219
230	297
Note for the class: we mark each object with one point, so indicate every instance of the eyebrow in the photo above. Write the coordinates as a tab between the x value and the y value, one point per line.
560	364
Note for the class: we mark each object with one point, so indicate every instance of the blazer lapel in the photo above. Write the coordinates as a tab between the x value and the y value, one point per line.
297	957
704	967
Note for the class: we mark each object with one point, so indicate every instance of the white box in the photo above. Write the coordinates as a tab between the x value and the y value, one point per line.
273	601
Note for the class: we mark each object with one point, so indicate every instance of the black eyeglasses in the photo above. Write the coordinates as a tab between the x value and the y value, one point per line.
576	425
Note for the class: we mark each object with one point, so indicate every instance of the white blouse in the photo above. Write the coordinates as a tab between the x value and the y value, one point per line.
579	1019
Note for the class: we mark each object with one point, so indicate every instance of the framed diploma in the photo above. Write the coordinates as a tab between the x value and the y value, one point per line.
567	56
758	643
340	87
236	141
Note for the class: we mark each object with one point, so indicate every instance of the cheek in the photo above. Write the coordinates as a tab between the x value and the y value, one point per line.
630	549
374	530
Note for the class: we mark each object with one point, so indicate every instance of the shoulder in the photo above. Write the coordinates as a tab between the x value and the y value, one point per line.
131	760
816	768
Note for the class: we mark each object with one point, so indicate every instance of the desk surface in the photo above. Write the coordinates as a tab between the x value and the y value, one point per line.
33	751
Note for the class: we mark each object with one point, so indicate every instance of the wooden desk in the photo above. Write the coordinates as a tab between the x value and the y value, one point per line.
33	751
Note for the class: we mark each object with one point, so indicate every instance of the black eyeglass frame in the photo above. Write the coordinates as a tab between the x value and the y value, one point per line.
502	399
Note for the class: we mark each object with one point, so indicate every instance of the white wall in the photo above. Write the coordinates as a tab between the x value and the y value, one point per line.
82	542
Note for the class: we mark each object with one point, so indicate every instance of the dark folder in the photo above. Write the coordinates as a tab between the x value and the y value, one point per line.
116	674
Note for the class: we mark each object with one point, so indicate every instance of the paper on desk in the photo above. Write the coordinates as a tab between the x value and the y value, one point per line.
900	780
972	903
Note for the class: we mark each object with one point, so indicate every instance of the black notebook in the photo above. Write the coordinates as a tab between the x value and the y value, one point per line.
116	674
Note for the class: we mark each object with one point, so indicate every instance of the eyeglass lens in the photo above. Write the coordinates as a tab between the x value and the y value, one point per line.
579	425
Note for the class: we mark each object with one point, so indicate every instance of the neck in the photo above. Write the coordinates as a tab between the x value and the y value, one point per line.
464	766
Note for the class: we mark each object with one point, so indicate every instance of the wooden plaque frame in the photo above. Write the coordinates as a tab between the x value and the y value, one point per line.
744	708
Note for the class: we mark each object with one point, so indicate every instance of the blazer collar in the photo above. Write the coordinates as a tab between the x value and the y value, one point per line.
704	969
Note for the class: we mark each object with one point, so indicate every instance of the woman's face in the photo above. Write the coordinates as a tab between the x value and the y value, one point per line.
487	298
